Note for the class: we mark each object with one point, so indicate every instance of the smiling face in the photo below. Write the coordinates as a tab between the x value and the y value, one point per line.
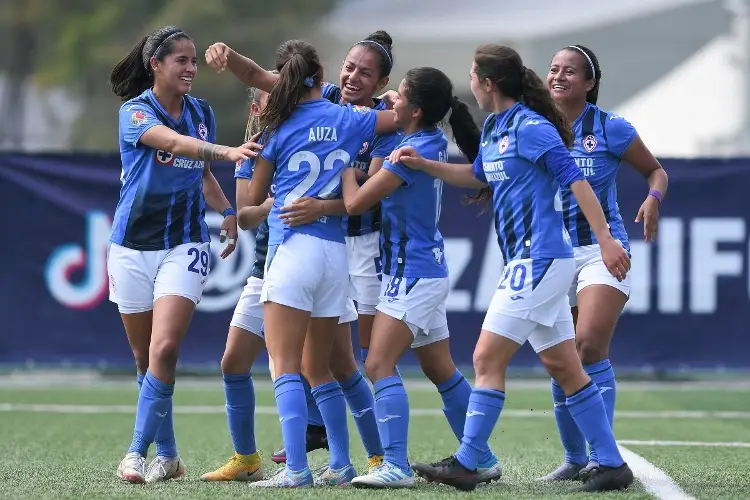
178	68
567	79
360	75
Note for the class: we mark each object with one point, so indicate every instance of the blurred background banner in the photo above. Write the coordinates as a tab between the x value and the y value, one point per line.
688	307
679	70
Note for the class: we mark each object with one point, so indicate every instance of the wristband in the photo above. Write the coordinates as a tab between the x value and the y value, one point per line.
229	211
656	194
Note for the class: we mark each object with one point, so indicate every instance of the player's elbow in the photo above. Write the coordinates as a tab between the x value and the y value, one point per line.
354	206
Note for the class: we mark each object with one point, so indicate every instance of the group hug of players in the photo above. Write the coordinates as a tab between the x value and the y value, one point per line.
343	190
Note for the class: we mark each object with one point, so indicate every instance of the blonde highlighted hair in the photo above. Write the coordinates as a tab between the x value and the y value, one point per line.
253	121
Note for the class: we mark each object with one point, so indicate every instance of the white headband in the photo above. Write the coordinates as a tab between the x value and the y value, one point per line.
390	61
591	63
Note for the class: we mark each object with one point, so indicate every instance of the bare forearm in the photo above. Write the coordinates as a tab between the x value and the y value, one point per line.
250	217
334	207
659	181
248	71
214	194
461	175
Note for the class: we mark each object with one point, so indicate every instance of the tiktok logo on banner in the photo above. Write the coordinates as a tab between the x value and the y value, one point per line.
91	259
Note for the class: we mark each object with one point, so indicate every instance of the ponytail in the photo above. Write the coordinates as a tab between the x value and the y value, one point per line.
130	77
299	71
468	138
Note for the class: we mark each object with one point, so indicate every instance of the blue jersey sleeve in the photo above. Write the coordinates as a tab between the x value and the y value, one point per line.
331	92
562	165
406	174
270	146
135	120
383	145
244	169
362	119
536	137
620	133
478	168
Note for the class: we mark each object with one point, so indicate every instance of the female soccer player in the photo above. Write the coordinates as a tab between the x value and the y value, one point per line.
415	287
521	163
364	72
602	141
307	142
158	259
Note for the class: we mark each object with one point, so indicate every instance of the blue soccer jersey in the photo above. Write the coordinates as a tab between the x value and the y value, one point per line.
525	191
411	244
601	139
379	146
310	151
161	201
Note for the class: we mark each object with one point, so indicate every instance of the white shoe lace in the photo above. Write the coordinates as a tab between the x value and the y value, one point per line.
135	462
158	464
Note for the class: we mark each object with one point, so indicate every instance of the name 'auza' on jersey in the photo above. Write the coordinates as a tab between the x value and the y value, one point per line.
525	195
411	244
601	139
379	146
310	151
161	201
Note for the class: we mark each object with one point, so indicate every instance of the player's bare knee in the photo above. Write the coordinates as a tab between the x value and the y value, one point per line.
486	364
378	368
438	370
234	364
165	352
591	347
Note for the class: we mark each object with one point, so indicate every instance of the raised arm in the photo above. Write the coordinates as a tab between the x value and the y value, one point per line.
461	175
220	56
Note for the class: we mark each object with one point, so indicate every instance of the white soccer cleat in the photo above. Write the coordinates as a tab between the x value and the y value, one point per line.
163	469
385	476
132	468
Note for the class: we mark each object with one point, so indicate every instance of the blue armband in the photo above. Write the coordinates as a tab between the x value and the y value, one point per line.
229	211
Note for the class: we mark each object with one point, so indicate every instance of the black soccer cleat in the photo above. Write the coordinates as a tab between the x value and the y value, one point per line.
586	472
608	479
566	472
316	439
448	471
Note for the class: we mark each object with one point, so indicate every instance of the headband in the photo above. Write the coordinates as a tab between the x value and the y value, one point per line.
591	63
147	61
383	49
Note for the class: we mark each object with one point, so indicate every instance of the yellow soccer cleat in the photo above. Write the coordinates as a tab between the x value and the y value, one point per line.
374	462
238	468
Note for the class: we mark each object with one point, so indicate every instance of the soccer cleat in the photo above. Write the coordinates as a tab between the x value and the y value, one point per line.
163	469
587	470
285	478
374	462
448	471
489	471
385	476
316	439
238	468
132	468
608	479
566	472
337	477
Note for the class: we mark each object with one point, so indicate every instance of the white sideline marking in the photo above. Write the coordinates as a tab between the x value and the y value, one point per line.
655	480
710	444
417	412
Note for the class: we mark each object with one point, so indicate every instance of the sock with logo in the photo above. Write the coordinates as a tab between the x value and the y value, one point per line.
570	435
603	376
292	407
332	406
240	401
587	408
361	404
456	392
392	412
166	446
484	409
154	401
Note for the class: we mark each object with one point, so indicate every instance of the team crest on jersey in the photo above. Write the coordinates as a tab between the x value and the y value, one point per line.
164	157
364	148
202	131
361	109
138	118
503	144
589	143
